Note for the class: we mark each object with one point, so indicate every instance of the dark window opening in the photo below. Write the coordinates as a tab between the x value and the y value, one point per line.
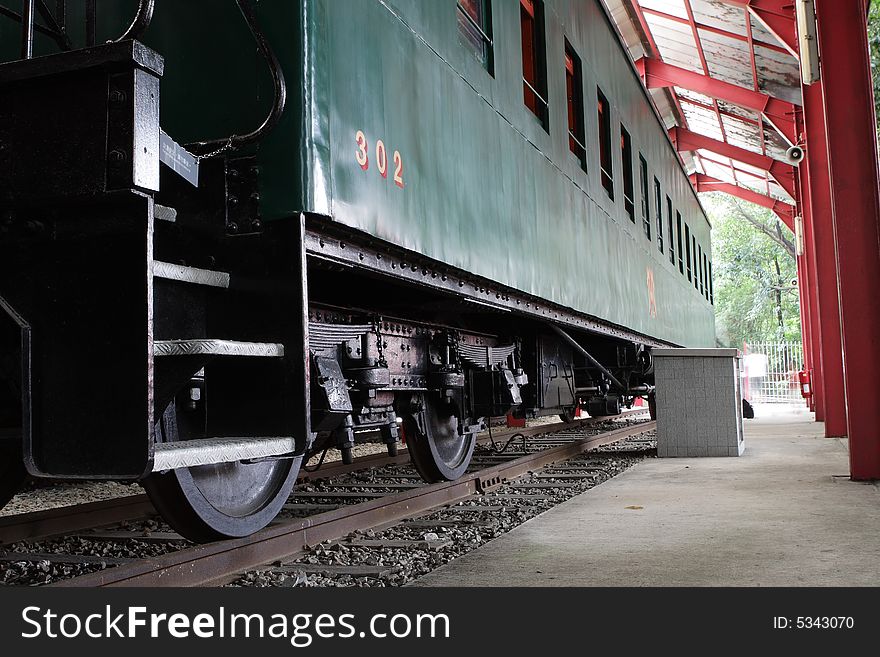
694	252
646	200
671	231
475	30
658	207
700	267
711	285
628	190
534	58
605	144
574	91
706	276
687	245
680	255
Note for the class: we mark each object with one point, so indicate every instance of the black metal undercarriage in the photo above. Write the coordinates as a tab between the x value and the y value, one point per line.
156	331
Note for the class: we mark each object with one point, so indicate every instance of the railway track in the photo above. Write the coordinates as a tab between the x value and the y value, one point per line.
81	517
373	493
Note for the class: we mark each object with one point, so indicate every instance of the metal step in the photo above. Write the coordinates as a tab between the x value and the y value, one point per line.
217	348
207	451
184	274
164	213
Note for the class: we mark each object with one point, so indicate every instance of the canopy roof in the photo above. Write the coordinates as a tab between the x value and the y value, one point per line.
725	77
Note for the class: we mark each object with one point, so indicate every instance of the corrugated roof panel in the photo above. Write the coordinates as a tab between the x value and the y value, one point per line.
693	95
761	33
738	112
719	15
716	170
671	7
703	121
748	168
778	74
675	42
728	59
777	192
775	144
742	134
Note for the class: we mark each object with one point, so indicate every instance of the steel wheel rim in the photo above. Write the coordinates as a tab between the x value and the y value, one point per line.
226	500
437	449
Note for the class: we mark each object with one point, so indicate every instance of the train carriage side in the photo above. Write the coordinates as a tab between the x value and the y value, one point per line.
427	148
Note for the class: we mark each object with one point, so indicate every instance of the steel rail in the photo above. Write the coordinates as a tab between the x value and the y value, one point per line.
216	563
74	518
90	515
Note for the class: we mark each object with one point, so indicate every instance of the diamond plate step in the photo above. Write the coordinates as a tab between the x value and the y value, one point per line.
206	451
217	348
164	213
184	274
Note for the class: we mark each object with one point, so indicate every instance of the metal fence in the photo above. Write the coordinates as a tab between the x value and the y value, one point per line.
770	372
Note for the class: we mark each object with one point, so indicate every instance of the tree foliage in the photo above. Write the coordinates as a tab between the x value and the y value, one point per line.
754	270
874	45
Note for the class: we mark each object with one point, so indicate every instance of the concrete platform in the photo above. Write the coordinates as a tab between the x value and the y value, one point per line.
783	514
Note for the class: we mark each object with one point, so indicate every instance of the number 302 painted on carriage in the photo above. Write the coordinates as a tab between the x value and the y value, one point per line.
362	155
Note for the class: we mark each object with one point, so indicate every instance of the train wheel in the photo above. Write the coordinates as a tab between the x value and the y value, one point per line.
12	472
437	449
226	500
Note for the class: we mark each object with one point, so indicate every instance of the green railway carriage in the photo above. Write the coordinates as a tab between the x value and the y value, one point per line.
485	205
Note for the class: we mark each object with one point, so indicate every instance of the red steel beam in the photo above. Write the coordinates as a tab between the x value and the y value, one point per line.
739	170
779	113
855	195
785	211
777	16
687	140
725	113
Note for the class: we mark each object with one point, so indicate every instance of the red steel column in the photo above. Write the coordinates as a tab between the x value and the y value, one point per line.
824	258
803	275
855	193
810	309
807	285
808	288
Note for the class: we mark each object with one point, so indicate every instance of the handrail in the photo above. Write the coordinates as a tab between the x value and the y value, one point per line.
280	101
141	21
476	25
537	93
577	141
27	29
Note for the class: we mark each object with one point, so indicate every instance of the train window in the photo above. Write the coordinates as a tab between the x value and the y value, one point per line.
646	202
711	285
628	186
671	231
475	30
658	207
680	256
534	58
574	90
687	245
694	252
700	269
705	277
605	144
